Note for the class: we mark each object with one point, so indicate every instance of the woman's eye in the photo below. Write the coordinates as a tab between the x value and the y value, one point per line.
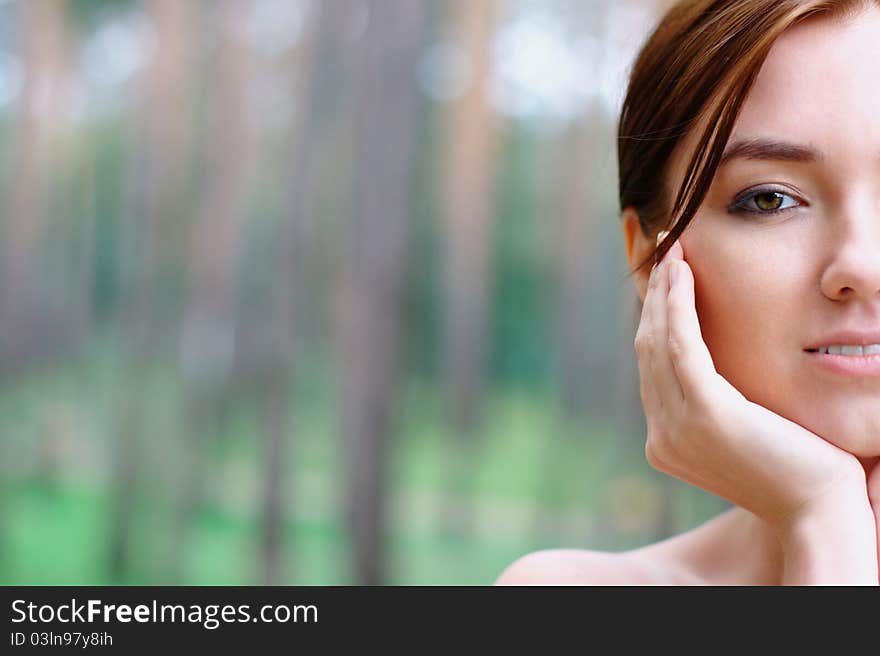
764	201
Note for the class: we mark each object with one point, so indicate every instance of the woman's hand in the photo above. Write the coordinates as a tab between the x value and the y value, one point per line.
872	472
704	431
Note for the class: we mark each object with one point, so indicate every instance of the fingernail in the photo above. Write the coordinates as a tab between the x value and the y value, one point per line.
661	236
673	274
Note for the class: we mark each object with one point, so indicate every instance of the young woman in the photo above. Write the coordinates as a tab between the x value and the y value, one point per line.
749	163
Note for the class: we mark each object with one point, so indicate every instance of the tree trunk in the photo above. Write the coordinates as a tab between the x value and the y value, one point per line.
26	211
469	176
207	339
371	322
309	136
575	251
154	231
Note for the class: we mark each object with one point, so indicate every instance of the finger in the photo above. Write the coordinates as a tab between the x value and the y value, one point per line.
665	377
872	474
647	388
872	470
675	252
648	391
690	356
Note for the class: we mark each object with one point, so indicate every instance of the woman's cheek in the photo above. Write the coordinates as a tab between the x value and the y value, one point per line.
742	300
736	325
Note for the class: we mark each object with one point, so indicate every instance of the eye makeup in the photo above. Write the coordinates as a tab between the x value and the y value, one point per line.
764	201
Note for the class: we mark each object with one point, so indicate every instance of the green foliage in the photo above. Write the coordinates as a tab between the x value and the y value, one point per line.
459	510
85	14
520	338
424	284
110	166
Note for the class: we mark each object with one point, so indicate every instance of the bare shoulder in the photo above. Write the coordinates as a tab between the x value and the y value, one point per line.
734	548
574	567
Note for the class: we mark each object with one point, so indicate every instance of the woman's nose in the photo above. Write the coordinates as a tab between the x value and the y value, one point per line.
853	270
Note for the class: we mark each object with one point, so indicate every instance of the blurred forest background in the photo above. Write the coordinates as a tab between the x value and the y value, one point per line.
317	291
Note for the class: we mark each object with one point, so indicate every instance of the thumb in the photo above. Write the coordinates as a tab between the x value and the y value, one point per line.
872	474
872	471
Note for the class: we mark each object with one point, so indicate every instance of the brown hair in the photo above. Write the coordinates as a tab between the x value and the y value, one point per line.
700	61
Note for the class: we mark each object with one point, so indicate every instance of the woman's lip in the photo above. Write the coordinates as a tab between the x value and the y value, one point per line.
847	365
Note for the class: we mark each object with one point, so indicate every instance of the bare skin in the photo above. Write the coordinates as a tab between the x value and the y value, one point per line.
735	548
734	399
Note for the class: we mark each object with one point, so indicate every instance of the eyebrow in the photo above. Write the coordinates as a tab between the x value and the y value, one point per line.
770	149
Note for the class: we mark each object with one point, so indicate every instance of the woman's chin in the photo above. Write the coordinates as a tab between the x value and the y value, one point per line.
849	420
853	429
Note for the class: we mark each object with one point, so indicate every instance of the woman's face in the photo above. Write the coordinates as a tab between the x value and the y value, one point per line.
771	286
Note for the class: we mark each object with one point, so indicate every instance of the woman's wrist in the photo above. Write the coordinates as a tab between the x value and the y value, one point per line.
834	542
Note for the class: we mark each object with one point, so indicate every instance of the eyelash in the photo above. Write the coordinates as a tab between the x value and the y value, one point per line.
737	206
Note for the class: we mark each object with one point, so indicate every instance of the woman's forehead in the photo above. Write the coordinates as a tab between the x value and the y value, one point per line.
819	75
815	89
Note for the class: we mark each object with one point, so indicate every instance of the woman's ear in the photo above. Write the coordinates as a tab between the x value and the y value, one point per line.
638	248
